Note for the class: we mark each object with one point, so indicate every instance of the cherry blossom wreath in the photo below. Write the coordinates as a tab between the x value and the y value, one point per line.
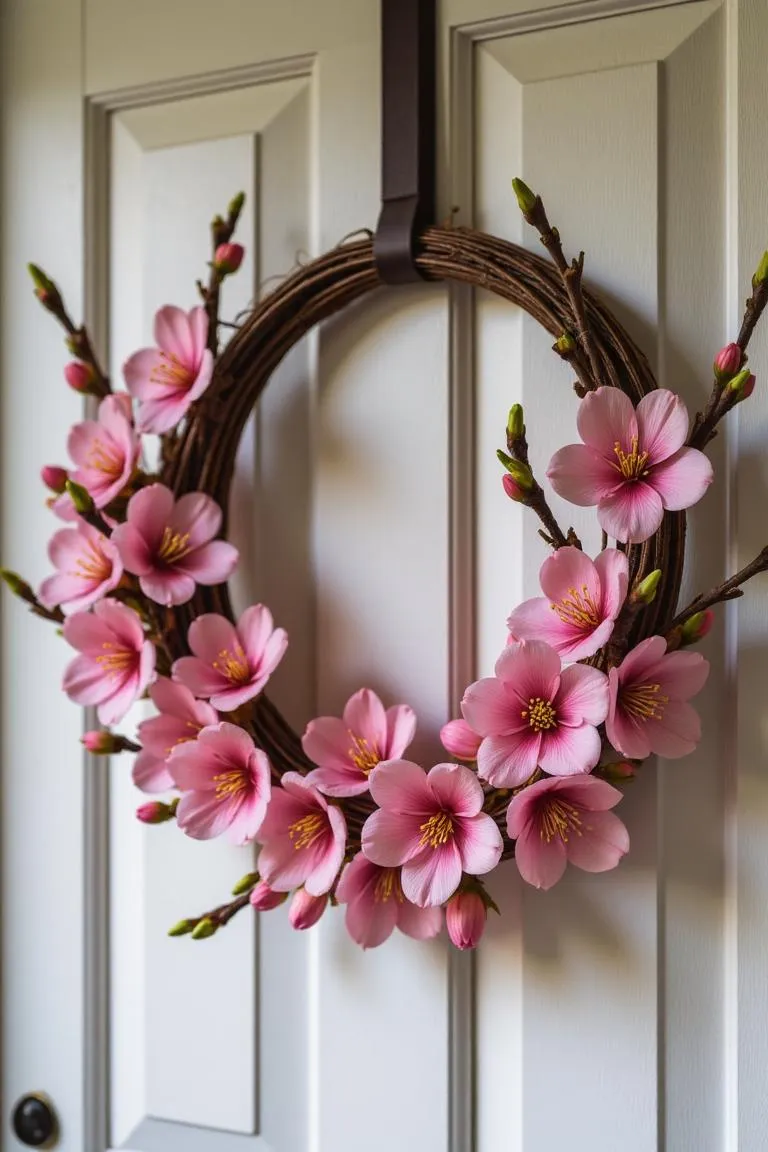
596	675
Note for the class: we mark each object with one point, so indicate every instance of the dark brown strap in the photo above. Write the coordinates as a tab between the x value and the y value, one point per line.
409	128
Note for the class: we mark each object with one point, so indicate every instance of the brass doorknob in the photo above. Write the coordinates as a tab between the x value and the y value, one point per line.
34	1121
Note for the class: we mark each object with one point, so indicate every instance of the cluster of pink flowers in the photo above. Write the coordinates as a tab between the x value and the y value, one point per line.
571	708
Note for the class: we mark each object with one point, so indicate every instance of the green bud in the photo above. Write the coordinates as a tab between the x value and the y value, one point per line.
18	586
204	928
645	591
618	772
80	498
236	205
740	384
526	199
41	282
520	473
565	345
761	275
515	423
183	928
245	884
696	627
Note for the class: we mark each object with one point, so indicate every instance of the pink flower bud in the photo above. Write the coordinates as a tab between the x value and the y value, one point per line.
99	742
54	477
465	918
618	771
306	910
264	898
697	627
228	258
512	488
154	812
79	376
749	387
728	361
459	739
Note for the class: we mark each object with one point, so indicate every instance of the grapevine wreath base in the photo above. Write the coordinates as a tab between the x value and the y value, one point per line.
596	676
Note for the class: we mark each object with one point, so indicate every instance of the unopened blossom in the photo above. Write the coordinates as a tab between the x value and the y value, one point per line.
79	376
346	750
582	599
170	544
54	478
154	812
231	663
116	661
728	362
181	719
696	627
534	713
633	463
167	379
305	910
225	782
649	694
264	899
88	567
105	452
465	917
559	821
228	258
460	740
376	905
433	825
303	838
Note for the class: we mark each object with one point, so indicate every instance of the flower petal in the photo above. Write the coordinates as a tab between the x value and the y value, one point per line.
582	697
419	923
479	842
433	876
581	476
390	838
401	729
401	786
662	424
612	568
150	773
568	751
488	709
327	742
602	844
529	670
632	513
369	921
364	715
540	862
456	789
682	480
605	417
677	733
508	761
569	569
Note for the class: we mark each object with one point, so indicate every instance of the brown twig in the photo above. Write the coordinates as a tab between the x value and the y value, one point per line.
221	233
78	340
728	590
535	498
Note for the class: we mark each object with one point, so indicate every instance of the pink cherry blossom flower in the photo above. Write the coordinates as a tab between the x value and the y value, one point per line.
181	720
169	544
376	905
581	601
303	838
648	701
225	780
465	918
231	664
105	451
305	910
558	821
89	567
633	464
533	713
264	899
458	738
347	750
431	823
167	379
116	661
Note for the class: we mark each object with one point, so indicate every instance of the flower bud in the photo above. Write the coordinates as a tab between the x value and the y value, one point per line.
512	489
45	289
54	477
306	910
182	928
644	592
264	898
526	199
460	740
228	258
235	206
465	917
761	275
520	473
80	497
79	376
101	743
245	883
155	812
697	627
18	586
727	362
742	385
204	928
618	772
515	423
565	345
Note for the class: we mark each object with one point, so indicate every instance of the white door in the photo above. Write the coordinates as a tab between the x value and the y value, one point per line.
619	1013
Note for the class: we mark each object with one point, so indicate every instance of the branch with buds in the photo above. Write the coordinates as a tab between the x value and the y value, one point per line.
85	374
521	485
226	259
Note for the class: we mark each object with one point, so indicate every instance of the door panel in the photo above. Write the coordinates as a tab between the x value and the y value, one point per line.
620	1011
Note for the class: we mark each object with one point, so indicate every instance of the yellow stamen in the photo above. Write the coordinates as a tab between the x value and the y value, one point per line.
540	714
632	465
305	831
92	564
173	546
230	783
559	819
644	701
102	457
436	831
196	729
361	754
578	608
115	660
170	372
233	665
388	886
